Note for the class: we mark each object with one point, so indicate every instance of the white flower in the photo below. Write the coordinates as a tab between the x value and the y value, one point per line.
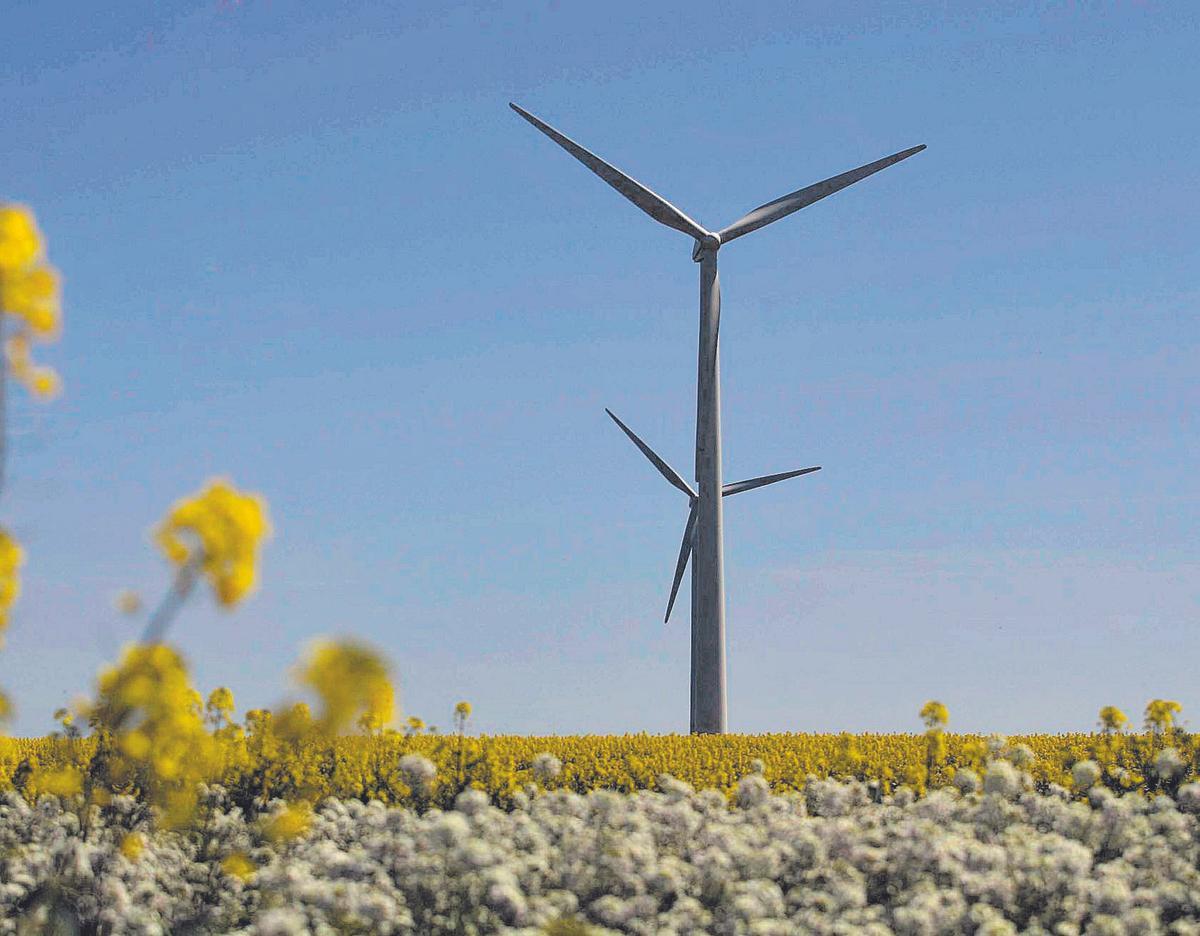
966	780
418	771
1085	773
752	790
1188	797
1001	778
1022	755
1169	764
470	802
546	767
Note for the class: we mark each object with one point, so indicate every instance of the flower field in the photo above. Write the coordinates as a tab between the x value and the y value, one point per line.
831	858
284	828
258	763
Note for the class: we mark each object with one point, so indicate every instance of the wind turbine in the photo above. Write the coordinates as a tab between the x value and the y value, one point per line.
702	537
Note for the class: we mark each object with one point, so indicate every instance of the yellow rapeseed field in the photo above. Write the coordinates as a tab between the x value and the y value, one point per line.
274	756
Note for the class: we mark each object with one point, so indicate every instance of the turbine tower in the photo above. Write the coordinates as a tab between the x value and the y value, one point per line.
703	534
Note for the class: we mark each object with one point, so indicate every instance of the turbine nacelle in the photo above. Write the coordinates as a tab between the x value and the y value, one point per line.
709	242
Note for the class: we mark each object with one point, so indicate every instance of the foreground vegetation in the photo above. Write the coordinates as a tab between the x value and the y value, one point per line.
831	858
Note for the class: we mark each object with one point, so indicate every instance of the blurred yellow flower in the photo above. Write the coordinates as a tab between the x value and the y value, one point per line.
66	781
45	383
352	681
146	714
934	714
132	845
6	708
29	292
11	559
20	240
32	296
239	865
289	823
1160	714
1112	718
221	529
220	702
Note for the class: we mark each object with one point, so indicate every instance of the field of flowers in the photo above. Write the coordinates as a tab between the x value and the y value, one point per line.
153	809
257	761
834	857
285	824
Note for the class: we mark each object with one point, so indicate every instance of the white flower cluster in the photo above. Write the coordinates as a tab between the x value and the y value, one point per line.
833	859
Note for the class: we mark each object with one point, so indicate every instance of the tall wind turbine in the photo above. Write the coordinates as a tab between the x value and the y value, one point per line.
703	534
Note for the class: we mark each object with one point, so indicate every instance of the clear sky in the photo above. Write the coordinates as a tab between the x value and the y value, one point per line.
309	247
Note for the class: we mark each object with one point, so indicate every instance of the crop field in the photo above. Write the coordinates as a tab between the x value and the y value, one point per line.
276	826
259	764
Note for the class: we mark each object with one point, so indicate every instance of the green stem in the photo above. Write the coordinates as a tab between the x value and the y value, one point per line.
173	600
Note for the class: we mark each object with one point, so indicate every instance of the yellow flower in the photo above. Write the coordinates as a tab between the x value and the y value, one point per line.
222	529
66	781
935	713
32	295
44	383
29	292
6	708
239	865
220	702
20	240
146	715
351	680
1160	714
132	845
1112	718
11	559
289	823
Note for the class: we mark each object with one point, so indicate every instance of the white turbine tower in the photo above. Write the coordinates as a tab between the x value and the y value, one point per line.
703	535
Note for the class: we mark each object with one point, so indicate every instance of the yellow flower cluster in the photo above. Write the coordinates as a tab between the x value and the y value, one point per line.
239	865
1160	715
260	763
151	734
289	823
29	292
1112	718
353	684
221	530
11	559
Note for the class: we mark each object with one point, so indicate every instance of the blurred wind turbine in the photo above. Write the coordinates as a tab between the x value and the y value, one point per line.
703	533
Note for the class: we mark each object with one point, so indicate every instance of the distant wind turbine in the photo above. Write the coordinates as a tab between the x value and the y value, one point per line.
703	534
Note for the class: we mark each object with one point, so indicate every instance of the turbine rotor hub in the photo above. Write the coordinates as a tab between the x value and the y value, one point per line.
709	242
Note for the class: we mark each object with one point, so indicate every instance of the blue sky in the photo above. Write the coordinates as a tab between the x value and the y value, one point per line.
310	248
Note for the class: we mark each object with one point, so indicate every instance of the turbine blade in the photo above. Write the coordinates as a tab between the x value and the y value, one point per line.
685	550
782	207
654	205
664	469
738	486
